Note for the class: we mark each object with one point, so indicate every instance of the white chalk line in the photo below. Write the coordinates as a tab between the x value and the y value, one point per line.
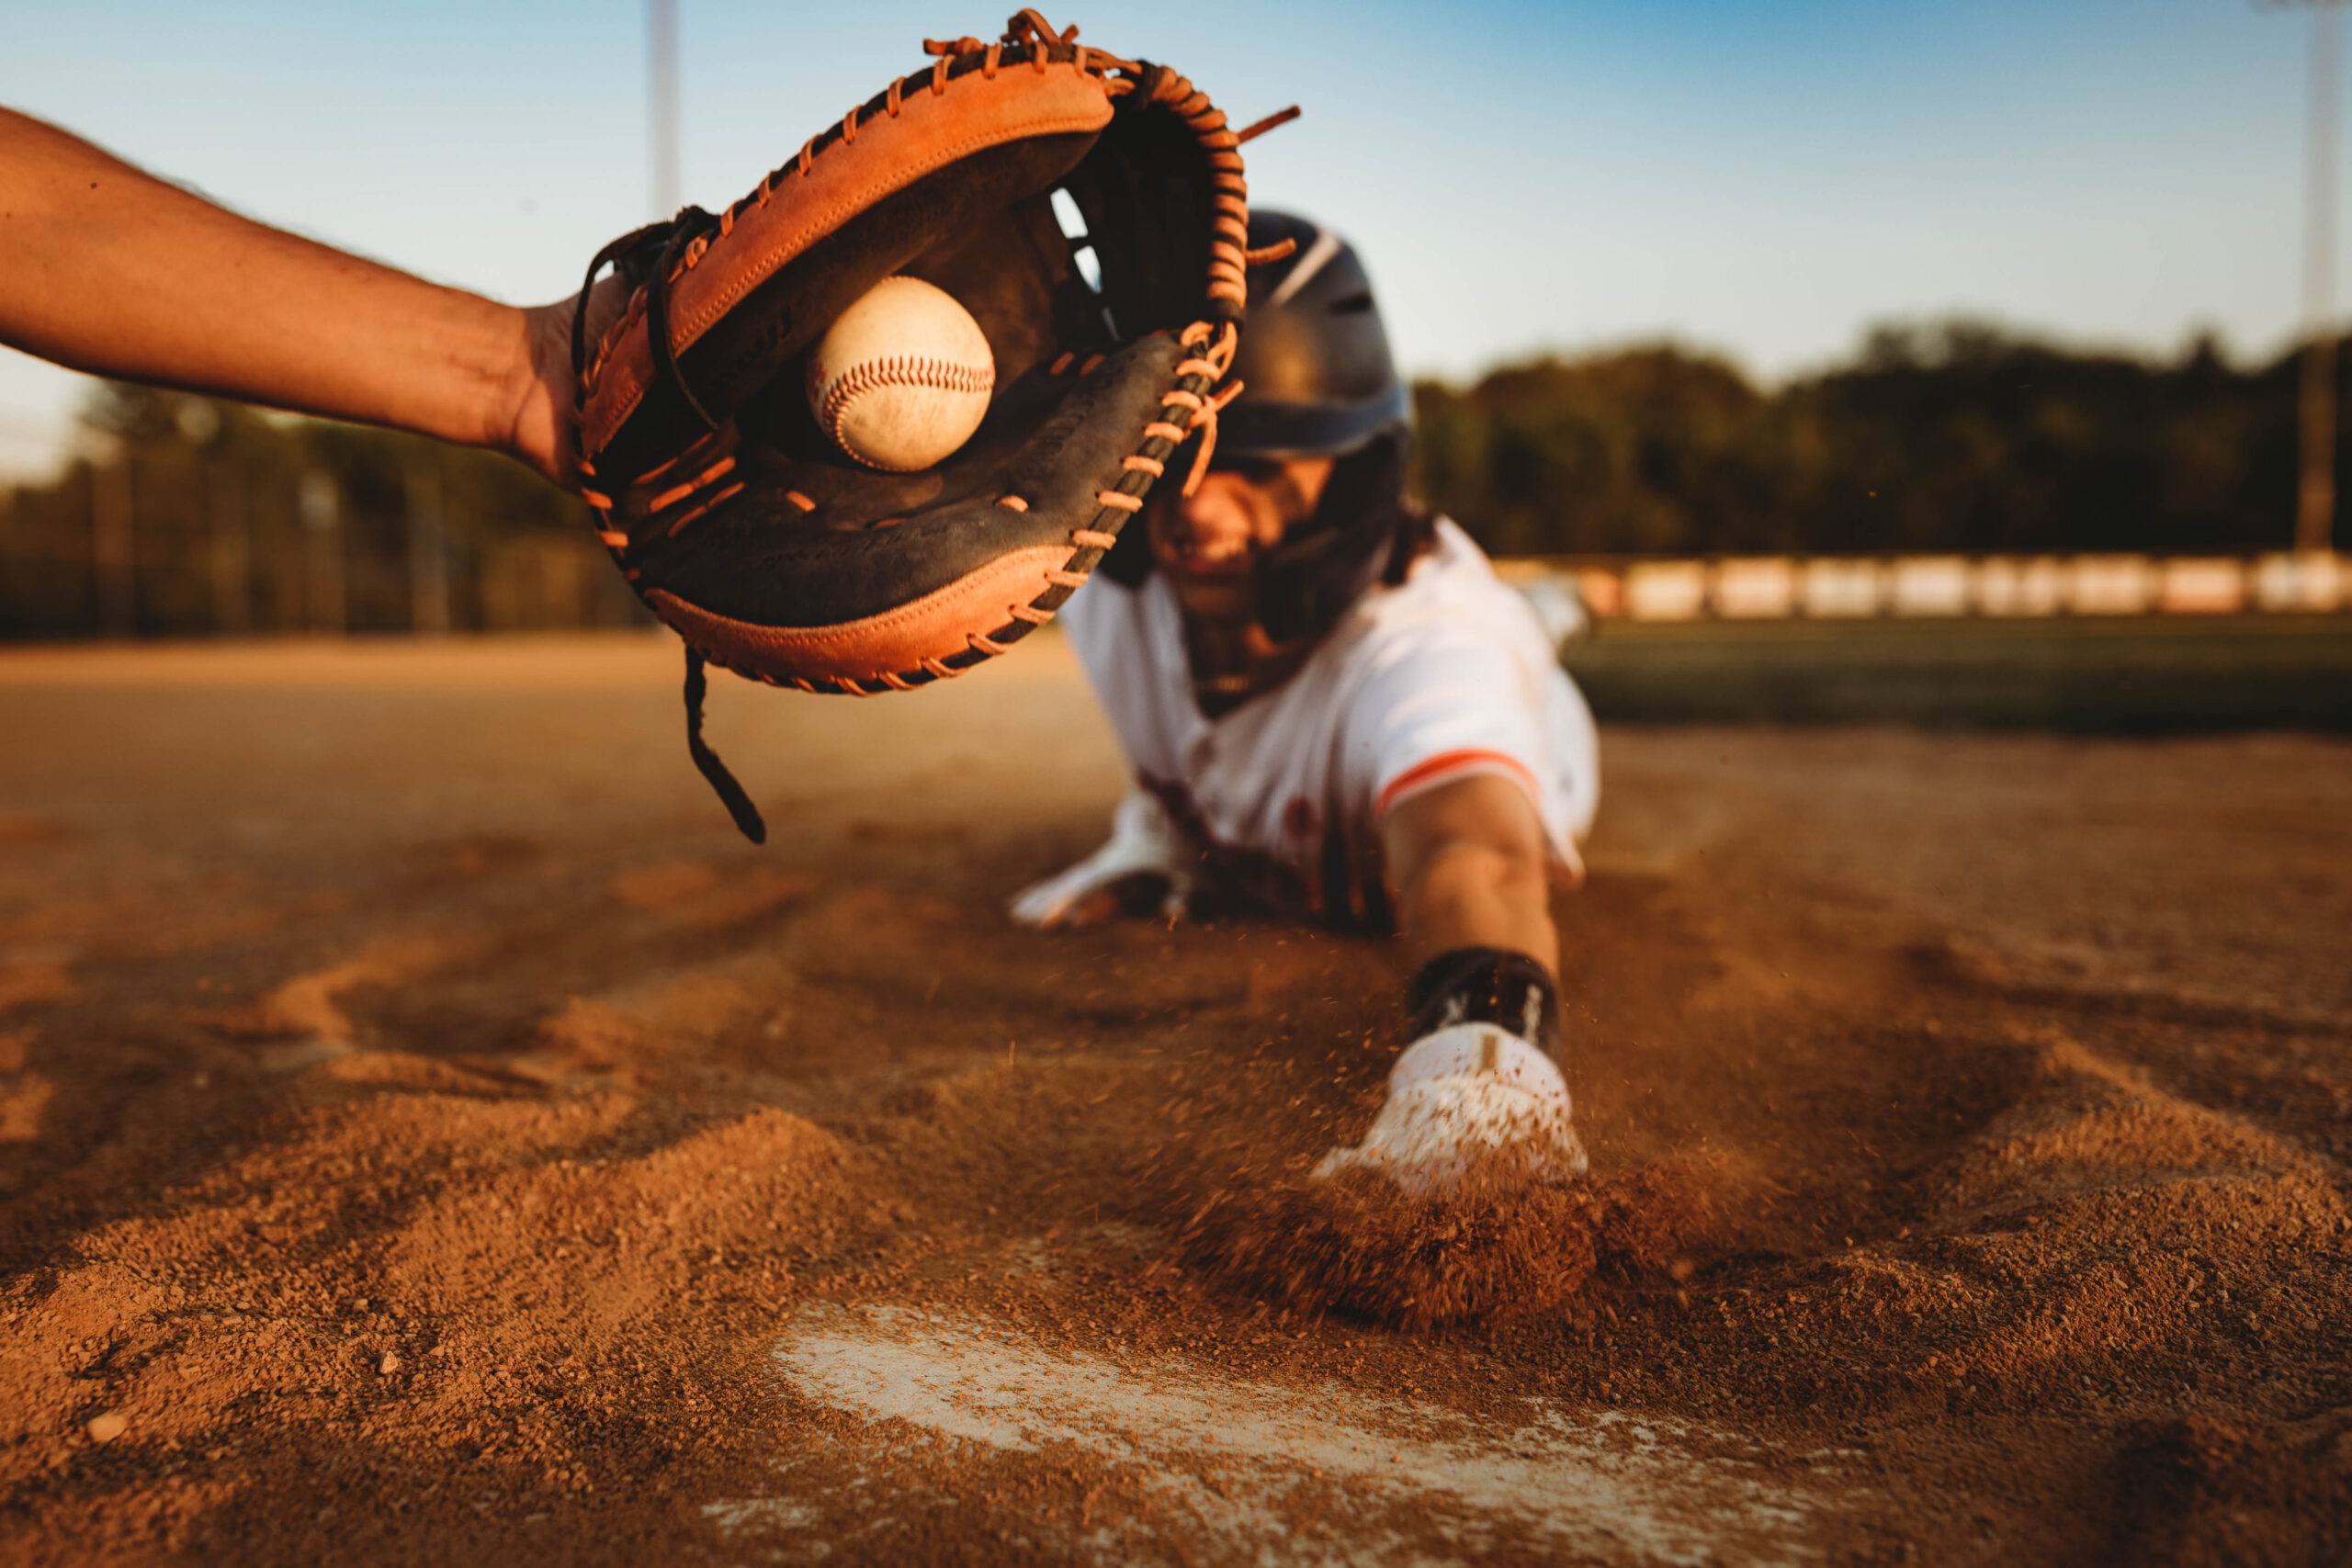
1232	1452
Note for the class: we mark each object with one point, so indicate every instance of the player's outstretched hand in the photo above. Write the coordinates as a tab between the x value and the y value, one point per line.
1463	1096
1143	852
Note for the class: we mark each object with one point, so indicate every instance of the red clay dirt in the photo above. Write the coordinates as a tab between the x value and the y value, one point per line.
427	1134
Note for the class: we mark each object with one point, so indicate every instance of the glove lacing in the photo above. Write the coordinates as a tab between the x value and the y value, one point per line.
678	235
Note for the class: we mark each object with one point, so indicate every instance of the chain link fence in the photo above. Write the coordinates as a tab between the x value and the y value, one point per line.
202	519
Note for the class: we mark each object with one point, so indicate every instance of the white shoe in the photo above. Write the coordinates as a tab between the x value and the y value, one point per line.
1461	1093
1144	845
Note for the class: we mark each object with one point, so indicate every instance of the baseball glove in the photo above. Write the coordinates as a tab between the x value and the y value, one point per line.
733	515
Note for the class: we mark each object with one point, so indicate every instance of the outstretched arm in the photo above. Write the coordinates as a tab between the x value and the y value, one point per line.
114	272
1471	869
1480	1079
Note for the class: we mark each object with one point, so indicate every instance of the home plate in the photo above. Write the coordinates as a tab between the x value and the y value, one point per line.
1083	1457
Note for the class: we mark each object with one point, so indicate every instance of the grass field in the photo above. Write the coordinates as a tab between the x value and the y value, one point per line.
2120	677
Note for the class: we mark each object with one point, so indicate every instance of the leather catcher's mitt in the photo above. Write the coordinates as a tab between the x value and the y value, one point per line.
772	553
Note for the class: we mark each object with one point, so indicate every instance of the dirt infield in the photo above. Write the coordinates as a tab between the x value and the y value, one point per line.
427	1134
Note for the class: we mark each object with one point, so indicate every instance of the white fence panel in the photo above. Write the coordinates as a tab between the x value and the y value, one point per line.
1604	592
1840	588
2307	582
2018	586
1929	585
1666	591
2110	585
1756	588
2190	585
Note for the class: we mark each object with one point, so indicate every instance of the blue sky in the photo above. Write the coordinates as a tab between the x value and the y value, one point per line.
1761	178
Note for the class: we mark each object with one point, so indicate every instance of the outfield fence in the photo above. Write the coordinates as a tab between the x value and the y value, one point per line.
164	543
1760	588
158	543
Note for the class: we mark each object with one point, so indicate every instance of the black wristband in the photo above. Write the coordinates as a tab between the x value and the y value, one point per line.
1487	984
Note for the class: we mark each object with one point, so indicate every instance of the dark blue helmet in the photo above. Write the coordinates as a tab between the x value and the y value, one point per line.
1318	378
1318	382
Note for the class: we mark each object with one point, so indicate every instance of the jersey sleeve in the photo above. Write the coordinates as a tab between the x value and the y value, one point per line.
1446	703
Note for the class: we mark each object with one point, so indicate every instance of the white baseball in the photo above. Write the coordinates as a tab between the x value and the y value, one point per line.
902	377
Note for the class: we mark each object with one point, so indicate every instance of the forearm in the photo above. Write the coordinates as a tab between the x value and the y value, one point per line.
1481	1078
1472	894
113	272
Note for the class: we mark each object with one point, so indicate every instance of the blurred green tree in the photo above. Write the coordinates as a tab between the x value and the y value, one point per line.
228	518
1954	435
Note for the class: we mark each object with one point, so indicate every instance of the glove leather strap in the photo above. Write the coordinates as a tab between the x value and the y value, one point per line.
690	223
730	794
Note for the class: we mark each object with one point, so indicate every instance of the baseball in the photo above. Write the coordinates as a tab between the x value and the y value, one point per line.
901	379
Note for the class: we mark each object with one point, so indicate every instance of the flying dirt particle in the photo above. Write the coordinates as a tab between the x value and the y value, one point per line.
106	1426
388	1365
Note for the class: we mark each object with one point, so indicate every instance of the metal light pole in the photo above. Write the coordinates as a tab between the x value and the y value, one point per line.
2315	489
2316	495
661	41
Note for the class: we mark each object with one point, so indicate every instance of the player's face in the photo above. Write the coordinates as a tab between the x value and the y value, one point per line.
1208	542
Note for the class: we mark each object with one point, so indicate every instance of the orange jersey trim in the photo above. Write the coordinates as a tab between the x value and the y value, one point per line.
1450	764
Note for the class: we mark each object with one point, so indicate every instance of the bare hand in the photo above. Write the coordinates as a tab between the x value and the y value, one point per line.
546	410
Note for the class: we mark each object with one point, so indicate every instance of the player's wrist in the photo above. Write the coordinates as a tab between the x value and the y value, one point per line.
536	408
1486	986
526	391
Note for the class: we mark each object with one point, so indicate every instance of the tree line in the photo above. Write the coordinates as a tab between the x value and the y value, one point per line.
1954	436
197	516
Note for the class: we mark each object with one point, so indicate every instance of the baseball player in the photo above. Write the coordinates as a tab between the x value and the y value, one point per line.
1331	704
114	272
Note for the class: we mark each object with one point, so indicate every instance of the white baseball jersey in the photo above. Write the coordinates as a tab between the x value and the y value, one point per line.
1445	675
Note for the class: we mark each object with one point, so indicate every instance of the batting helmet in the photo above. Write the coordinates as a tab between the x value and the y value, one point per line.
1314	361
1318	382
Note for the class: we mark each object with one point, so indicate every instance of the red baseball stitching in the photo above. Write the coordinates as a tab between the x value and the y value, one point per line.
901	370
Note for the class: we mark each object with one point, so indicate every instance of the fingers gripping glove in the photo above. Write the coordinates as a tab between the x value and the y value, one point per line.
1475	1084
1143	843
735	518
